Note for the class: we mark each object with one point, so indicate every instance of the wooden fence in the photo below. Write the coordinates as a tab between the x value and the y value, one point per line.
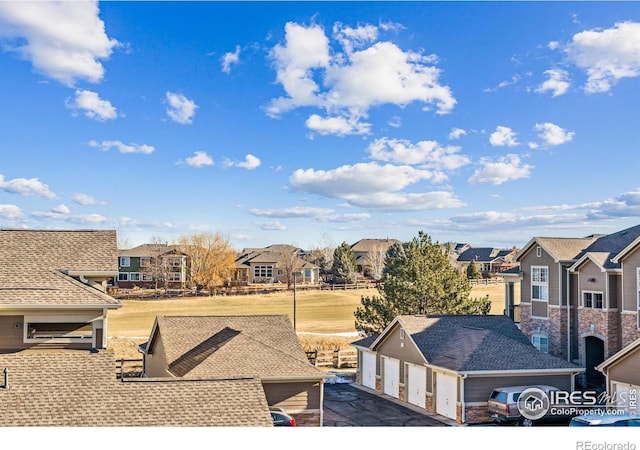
339	359
128	368
486	281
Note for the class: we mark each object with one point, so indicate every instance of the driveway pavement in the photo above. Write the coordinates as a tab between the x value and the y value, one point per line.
349	405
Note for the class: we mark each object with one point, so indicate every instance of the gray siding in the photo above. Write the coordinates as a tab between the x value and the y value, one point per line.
630	281
401	349
478	389
627	370
293	397
590	271
615	291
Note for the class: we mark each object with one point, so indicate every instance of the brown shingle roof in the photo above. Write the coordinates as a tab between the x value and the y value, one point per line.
226	346
65	250
80	389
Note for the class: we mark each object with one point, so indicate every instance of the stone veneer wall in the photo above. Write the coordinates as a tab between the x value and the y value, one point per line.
307	419
478	414
606	326
555	328
629	327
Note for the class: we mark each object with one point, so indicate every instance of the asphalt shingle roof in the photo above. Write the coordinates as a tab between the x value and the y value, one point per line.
233	346
467	343
78	389
33	265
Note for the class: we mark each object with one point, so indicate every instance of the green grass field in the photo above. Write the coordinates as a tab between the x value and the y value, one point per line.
316	311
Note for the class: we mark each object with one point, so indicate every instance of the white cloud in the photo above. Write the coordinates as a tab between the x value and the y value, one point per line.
358	179
270	225
429	154
250	162
503	136
552	134
122	147
63	40
607	55
24	186
406	201
395	122
293	212
229	59
345	218
181	109
93	106
11	212
199	159
61	209
351	38
557	83
349	83
340	126
457	133
84	199
507	168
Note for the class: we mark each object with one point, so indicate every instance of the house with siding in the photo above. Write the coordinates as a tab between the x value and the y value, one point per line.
488	260
53	288
580	296
370	256
221	347
450	364
152	266
622	378
274	264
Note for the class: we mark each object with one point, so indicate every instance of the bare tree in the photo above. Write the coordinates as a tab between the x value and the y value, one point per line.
322	255
211	259
376	260
290	262
154	266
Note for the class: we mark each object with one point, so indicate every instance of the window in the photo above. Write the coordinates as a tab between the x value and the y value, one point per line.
540	283
134	276
58	329
123	276
638	289
175	276
540	342
263	271
592	299
145	261
125	261
175	262
147	276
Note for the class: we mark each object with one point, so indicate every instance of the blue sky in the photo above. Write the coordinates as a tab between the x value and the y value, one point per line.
307	123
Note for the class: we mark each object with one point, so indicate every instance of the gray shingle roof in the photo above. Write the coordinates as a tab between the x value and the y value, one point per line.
78	389
233	346
467	343
611	245
483	254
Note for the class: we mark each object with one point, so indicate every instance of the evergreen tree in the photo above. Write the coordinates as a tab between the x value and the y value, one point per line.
345	267
473	273
419	279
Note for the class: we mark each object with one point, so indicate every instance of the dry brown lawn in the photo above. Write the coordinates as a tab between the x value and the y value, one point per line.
319	315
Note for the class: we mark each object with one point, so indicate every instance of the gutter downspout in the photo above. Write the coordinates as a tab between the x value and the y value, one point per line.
568	316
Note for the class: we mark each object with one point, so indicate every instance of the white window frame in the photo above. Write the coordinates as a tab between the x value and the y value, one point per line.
175	277
174	261
58	319
134	276
263	271
125	261
536	340
638	290
146	276
123	276
539	283
145	261
592	294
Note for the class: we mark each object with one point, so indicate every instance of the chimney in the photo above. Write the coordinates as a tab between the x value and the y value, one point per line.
6	378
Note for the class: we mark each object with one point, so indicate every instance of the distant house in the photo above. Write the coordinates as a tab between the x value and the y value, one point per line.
53	288
274	264
80	389
222	347
488	260
450	364
370	256
152	265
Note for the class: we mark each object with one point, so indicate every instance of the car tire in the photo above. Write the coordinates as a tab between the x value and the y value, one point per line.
524	422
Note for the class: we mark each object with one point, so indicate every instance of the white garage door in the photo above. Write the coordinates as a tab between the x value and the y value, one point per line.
446	394
417	390
369	369
391	376
626	396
